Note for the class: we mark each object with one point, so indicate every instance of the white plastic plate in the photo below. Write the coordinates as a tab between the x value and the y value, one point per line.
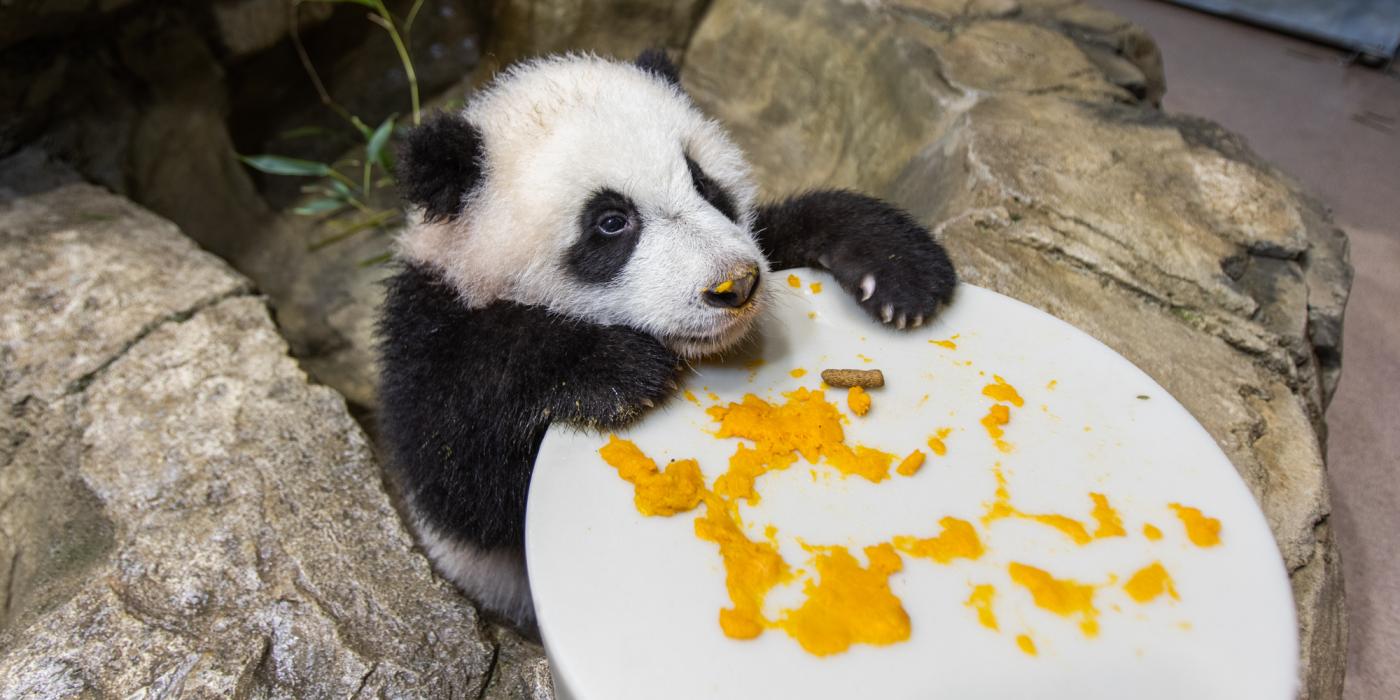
628	605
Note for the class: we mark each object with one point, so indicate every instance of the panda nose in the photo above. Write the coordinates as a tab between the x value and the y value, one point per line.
733	292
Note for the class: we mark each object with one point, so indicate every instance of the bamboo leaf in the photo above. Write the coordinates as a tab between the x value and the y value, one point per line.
282	165
340	191
374	150
324	205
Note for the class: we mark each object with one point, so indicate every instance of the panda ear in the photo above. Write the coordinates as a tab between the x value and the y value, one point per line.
439	163
656	62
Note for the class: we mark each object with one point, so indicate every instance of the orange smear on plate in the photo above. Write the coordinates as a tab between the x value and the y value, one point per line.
911	465
793	281
745	466
798	373
676	490
1001	391
1069	526
1203	531
997	416
1151	532
1063	597
816	287
849	604
958	540
751	569
1001	508
935	441
1027	645
862	461
1149	583
981	601
1110	524
806	424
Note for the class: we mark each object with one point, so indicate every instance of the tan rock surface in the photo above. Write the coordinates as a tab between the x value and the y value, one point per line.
184	513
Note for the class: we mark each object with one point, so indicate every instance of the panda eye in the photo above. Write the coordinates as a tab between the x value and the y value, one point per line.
611	223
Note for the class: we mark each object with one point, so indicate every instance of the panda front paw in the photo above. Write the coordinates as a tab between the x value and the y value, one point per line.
626	373
893	268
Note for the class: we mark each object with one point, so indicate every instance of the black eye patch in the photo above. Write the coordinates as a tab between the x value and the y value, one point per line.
609	228
711	192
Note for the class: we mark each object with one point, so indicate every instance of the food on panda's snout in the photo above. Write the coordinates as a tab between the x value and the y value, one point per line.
847	378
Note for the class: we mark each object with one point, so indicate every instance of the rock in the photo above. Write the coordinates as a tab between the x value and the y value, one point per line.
184	512
525	28
249	26
1026	138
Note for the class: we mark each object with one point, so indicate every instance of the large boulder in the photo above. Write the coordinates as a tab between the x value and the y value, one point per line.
1024	133
183	511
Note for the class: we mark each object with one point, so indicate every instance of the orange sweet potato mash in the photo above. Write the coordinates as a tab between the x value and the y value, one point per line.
858	401
1060	596
808	425
675	490
910	465
1203	531
958	540
844	602
1149	583
849	604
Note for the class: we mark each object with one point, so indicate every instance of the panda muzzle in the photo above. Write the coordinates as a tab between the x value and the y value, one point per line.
733	292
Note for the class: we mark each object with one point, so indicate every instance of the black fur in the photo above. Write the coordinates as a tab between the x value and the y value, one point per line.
439	163
853	235
598	256
465	397
656	61
711	191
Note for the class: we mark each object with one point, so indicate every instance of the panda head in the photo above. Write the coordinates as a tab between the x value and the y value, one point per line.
593	188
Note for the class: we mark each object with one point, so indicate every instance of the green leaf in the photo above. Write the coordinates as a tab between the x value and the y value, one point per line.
374	150
324	205
340	190
282	165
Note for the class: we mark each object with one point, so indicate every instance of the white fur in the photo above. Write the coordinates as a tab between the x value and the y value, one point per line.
559	129
495	579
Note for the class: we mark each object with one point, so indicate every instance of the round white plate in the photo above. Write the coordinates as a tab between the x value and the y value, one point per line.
628	605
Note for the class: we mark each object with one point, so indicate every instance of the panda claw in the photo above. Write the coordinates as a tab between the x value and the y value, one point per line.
867	287
824	261
887	313
901	322
918	320
648	403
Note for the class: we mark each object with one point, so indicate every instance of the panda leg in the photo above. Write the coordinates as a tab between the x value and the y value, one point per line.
878	253
494	578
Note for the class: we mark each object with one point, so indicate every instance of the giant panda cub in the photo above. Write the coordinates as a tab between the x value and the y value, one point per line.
572	230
